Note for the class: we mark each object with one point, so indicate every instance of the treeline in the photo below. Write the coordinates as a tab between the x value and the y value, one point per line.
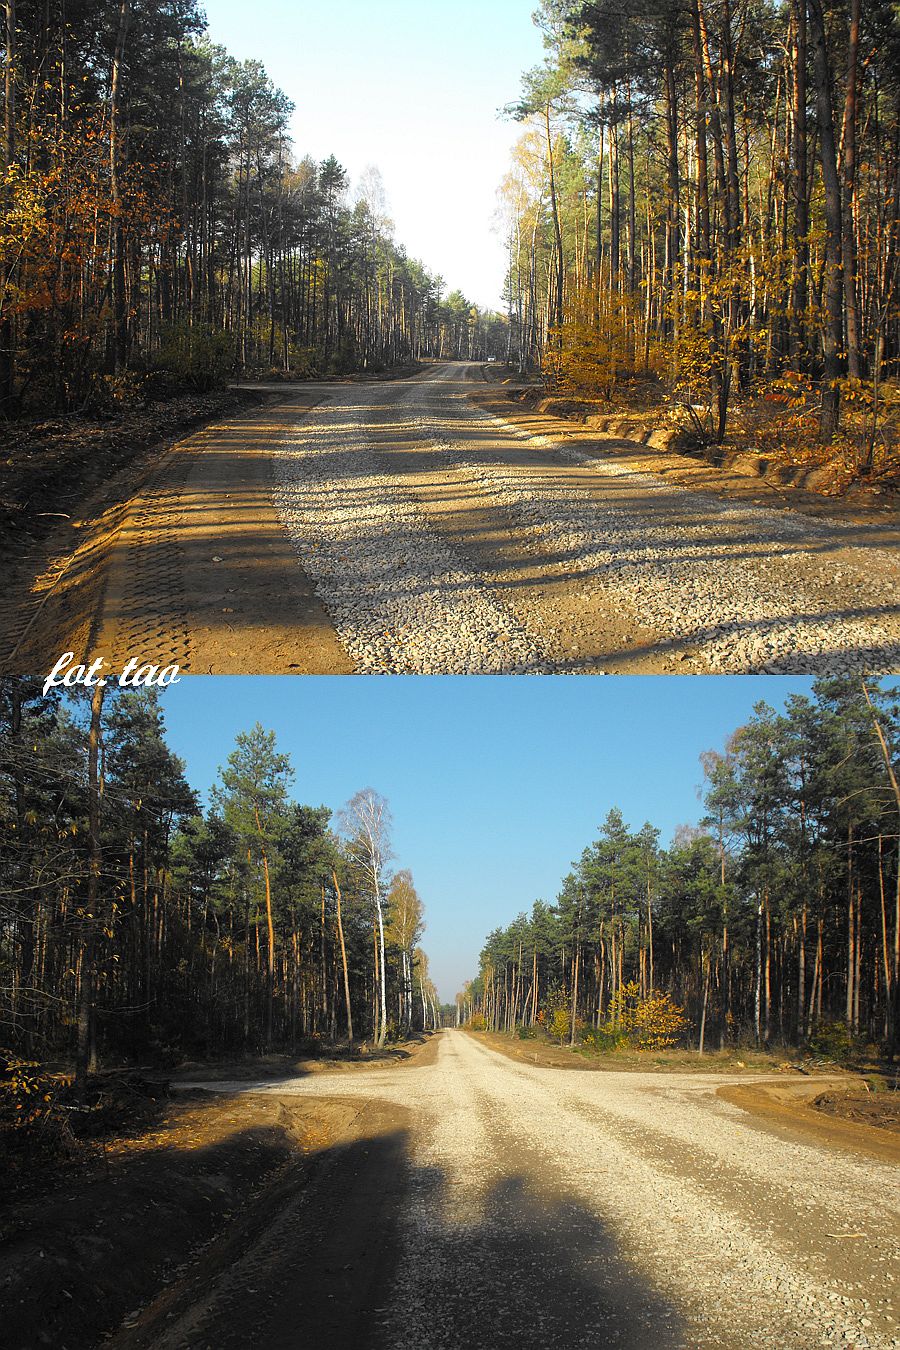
154	219
134	924
778	920
709	195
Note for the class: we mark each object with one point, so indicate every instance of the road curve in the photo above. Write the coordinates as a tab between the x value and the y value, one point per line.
406	526
445	539
539	1208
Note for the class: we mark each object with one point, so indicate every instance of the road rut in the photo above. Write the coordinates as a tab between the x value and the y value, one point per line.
401	527
541	1208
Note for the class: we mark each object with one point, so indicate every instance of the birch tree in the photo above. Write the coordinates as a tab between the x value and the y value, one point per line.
365	825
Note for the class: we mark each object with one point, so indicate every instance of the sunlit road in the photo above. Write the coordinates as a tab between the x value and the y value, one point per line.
501	1203
409	526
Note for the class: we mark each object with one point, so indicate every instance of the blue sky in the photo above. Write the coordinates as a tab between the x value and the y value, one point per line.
495	783
413	87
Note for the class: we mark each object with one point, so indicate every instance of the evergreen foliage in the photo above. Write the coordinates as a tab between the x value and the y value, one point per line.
211	930
777	921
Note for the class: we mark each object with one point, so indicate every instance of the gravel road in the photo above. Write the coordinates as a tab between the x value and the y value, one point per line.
427	526
541	1208
442	538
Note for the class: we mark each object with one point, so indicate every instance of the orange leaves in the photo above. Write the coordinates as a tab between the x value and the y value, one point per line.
652	1022
56	222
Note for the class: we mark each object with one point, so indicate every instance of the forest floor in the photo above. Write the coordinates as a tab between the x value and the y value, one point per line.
433	525
88	1236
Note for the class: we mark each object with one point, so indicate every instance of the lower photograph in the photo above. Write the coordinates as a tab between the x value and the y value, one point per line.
449	1012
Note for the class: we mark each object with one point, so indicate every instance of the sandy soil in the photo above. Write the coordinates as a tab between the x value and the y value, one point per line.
192	566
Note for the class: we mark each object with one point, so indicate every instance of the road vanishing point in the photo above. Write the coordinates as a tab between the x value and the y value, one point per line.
487	1201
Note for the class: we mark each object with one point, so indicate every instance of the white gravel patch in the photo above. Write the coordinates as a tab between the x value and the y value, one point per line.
402	601
684	1224
734	588
730	580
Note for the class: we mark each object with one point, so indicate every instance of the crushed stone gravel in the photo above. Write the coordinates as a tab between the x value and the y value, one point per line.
744	589
642	1200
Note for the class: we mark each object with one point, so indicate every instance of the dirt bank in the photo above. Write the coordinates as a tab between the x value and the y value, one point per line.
127	1218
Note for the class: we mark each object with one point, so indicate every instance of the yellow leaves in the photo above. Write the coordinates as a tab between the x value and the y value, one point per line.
26	1090
652	1022
598	344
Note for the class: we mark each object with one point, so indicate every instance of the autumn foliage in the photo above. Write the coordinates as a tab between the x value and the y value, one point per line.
158	229
704	203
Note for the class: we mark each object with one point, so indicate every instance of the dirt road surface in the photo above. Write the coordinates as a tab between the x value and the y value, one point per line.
422	526
492	1203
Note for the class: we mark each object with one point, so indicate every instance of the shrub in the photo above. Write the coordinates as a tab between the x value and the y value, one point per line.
603	1039
831	1040
303	362
659	1022
197	357
27	1091
345	359
560	1025
653	1022
477	1022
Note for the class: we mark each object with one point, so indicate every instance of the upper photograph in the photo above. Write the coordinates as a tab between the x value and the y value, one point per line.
414	338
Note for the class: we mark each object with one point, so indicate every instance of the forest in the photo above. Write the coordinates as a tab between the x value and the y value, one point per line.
702	216
158	230
136	926
776	921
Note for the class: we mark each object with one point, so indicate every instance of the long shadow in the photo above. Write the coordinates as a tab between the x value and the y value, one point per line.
534	1268
374	1259
169	561
355	1248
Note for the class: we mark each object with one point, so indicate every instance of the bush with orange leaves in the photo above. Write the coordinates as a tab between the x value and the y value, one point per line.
652	1022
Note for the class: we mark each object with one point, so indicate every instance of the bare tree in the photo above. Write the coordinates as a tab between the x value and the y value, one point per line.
365	824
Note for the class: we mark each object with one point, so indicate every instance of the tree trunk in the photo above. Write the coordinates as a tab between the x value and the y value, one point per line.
120	309
800	289
270	932
833	284
340	928
574	994
704	961
7	354
87	988
557	228
848	234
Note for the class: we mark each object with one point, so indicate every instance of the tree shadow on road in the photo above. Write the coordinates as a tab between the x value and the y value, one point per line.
532	1268
346	1247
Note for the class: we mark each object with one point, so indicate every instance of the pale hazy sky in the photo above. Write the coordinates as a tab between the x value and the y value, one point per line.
413	87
